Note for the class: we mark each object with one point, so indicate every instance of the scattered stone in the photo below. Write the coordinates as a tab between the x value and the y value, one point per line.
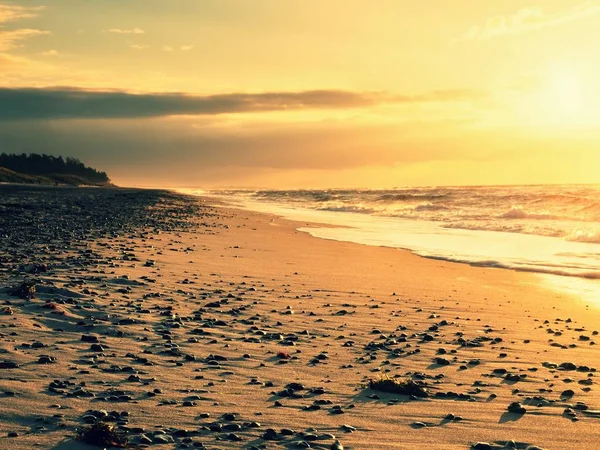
517	408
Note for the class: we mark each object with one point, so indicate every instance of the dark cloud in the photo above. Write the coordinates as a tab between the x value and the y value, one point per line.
213	150
72	103
69	103
200	145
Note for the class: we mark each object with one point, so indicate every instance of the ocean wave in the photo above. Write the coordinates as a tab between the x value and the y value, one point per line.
348	208
555	211
430	207
517	212
410	197
493	264
564	219
589	237
302	195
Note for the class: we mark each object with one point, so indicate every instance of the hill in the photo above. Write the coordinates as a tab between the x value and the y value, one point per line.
48	170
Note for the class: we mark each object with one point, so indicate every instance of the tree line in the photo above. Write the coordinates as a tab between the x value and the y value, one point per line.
35	164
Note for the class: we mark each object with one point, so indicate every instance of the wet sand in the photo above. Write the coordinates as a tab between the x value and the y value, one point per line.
191	326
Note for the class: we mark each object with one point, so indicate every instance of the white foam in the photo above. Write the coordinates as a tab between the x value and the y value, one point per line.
523	252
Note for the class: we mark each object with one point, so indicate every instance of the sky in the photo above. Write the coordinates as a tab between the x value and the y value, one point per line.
306	93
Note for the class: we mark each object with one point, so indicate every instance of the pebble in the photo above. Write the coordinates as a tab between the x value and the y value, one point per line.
517	408
180	324
482	446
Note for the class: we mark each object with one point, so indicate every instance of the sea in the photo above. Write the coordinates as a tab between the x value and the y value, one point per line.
552	230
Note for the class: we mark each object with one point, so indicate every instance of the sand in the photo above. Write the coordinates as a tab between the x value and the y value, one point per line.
197	318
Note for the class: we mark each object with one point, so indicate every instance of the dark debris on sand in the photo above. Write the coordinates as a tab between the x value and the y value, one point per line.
102	435
396	386
80	253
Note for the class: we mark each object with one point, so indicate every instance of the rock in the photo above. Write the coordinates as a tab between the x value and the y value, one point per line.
163	439
270	434
45	359
216	426
517	408
482	446
336	410
8	365
337	445
568	366
89	419
325	437
89	338
568	393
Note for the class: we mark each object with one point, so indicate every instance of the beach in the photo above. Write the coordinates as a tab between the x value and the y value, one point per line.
189	324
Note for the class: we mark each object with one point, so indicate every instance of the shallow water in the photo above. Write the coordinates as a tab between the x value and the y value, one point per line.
558	238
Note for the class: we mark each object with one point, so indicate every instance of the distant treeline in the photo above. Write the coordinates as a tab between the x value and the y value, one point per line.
47	165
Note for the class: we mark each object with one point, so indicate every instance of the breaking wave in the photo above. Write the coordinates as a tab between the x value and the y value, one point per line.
551	230
517	212
568	212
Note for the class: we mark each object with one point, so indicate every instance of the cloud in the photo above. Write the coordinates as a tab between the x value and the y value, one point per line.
9	13
10	62
178	144
529	19
138	46
185	48
10	39
65	103
447	95
218	151
167	48
125	31
55	54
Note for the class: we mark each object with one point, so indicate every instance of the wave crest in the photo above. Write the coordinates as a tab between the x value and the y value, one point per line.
517	212
589	236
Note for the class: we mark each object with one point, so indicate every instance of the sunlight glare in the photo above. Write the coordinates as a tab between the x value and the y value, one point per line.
563	98
564	93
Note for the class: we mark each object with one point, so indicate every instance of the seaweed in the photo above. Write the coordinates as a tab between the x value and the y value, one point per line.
102	435
26	290
398	386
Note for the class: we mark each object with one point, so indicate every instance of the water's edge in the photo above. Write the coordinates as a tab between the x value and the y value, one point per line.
569	272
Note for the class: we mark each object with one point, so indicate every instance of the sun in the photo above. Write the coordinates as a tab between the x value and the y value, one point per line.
563	92
564	97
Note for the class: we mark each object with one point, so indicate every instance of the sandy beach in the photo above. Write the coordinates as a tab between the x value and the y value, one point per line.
192	325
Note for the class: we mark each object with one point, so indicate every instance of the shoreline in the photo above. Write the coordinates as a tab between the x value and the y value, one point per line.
582	289
202	329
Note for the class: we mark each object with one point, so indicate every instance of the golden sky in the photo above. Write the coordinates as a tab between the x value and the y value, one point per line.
306	93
